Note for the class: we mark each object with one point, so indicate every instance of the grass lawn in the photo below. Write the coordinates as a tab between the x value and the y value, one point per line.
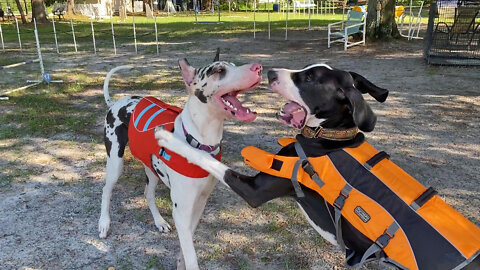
178	27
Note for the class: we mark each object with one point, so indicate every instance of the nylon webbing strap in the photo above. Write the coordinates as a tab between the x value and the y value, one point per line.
294	179
376	159
381	242
422	199
338	205
307	167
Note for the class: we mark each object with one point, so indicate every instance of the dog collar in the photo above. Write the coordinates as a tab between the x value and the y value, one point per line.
211	149
330	133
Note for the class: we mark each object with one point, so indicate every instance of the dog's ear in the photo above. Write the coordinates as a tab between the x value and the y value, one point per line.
188	72
365	86
363	116
217	55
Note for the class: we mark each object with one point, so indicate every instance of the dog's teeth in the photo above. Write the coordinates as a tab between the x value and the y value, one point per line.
248	110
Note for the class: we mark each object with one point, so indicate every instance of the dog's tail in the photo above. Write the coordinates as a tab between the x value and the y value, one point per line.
107	79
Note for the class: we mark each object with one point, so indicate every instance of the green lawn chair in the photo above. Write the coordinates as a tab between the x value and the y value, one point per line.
354	24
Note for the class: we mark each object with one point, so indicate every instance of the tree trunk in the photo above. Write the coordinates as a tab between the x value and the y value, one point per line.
38	11
25	4
19	6
384	27
70	7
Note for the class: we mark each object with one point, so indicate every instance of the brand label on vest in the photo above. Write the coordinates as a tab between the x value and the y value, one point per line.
362	214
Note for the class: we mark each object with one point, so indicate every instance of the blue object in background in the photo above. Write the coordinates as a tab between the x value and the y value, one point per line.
46	77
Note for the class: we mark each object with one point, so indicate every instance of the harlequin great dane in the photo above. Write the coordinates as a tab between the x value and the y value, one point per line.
326	104
212	98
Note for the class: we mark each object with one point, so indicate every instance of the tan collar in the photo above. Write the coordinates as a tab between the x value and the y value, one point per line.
330	133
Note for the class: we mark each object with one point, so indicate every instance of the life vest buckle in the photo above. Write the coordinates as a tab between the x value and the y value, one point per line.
383	240
340	200
308	168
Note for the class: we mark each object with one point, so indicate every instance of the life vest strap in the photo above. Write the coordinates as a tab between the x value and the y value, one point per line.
423	198
379	244
307	167
338	206
376	159
294	179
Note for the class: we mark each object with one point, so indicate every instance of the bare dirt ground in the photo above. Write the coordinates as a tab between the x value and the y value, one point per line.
49	212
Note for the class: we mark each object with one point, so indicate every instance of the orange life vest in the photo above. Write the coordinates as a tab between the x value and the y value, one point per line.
148	114
414	227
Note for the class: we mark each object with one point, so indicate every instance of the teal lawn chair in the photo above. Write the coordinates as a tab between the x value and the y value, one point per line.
354	24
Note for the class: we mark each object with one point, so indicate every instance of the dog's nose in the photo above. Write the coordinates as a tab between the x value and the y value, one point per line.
272	76
256	68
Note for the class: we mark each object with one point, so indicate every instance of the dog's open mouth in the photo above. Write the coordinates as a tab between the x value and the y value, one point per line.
231	104
293	114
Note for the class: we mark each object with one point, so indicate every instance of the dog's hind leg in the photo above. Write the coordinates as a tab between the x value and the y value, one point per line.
116	139
161	224
114	170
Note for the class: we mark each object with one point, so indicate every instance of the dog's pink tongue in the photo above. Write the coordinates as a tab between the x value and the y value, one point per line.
296	111
240	112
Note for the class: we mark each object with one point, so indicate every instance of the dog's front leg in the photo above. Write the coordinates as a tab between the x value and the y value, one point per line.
189	197
193	155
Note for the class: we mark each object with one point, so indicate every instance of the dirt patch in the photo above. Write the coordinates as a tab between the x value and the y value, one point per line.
51	185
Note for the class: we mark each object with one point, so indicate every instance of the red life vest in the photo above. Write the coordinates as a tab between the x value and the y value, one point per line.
148	114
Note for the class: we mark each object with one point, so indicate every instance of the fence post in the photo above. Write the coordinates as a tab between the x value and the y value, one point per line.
39	52
156	34
1	37
73	34
268	19
18	33
309	16
93	37
218	6
113	36
134	34
254	18
55	33
286	22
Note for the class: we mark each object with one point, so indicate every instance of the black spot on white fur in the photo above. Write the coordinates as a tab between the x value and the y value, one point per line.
108	143
199	94
110	120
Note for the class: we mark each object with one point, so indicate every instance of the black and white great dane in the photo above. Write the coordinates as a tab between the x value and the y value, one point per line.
212	98
318	95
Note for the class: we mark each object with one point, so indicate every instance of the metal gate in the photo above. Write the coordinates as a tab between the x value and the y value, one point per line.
453	33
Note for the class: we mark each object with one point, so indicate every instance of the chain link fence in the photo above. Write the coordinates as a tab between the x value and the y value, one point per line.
453	34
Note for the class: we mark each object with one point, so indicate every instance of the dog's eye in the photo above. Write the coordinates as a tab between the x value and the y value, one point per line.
308	78
220	70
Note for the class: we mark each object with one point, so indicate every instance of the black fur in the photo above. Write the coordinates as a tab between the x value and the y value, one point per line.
333	95
110	119
108	143
199	94
122	136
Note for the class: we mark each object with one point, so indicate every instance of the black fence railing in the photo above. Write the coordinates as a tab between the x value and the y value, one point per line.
453	34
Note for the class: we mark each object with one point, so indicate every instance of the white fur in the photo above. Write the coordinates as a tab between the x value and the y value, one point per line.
326	235
204	121
107	80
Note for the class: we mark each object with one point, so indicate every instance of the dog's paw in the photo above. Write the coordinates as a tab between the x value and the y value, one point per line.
103	226
162	135
163	227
